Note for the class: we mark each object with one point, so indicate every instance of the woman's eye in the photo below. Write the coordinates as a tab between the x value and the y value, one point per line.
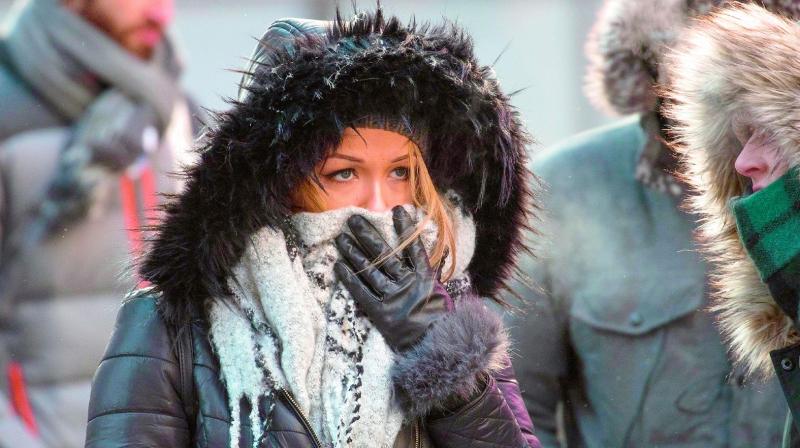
342	175
747	134
742	130
400	173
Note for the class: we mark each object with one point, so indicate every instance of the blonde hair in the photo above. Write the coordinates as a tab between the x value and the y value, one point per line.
424	195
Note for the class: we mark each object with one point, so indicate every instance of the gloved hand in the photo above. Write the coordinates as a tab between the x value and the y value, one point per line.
403	295
115	131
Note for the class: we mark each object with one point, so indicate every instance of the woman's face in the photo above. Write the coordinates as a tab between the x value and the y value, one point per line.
370	169
760	160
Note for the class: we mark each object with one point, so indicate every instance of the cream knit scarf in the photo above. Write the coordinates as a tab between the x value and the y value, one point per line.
294	327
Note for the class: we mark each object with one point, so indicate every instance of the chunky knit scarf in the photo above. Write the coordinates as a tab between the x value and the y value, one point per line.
294	327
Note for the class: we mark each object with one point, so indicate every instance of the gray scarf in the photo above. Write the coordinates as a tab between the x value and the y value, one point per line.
295	328
52	48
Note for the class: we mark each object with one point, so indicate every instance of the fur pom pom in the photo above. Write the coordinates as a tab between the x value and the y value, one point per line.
451	358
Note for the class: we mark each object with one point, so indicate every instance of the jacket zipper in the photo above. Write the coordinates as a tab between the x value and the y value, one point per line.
302	417
310	430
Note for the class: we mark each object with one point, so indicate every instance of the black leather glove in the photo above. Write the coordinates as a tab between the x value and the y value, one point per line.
402	296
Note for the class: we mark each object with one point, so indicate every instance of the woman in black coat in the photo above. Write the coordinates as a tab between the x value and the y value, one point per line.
315	284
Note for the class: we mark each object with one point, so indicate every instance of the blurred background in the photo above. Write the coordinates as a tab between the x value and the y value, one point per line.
52	338
544	41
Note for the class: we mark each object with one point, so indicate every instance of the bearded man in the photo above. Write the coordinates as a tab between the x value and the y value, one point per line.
92	118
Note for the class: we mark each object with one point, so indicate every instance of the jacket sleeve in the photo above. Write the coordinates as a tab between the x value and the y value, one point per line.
465	354
499	407
541	354
134	400
507	382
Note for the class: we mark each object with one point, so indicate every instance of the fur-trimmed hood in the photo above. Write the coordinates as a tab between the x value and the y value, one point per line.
740	59
629	40
299	100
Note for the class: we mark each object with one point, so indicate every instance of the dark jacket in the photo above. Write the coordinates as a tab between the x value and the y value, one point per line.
137	390
619	336
296	100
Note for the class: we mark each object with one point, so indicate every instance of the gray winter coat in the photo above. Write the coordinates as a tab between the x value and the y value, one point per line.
60	318
619	337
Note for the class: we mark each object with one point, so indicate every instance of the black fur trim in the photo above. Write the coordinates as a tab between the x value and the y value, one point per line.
449	362
299	101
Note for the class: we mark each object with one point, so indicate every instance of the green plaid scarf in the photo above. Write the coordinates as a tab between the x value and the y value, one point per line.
768	222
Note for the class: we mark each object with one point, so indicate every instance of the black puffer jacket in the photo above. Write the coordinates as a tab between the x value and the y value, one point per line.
137	393
301	92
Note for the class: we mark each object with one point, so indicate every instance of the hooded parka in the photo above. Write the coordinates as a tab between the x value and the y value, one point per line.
617	334
742	62
308	82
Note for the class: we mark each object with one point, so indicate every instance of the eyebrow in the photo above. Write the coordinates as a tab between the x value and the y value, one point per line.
342	156
356	159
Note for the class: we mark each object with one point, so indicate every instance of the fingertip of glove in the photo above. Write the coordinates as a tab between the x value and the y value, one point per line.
399	213
357	221
343	241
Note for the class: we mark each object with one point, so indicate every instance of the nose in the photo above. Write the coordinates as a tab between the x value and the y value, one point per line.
376	200
161	12
750	163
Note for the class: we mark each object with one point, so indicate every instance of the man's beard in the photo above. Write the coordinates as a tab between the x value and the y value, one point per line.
126	37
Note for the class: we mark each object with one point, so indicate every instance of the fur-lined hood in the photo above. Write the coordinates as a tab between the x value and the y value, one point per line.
629	40
299	100
740	59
